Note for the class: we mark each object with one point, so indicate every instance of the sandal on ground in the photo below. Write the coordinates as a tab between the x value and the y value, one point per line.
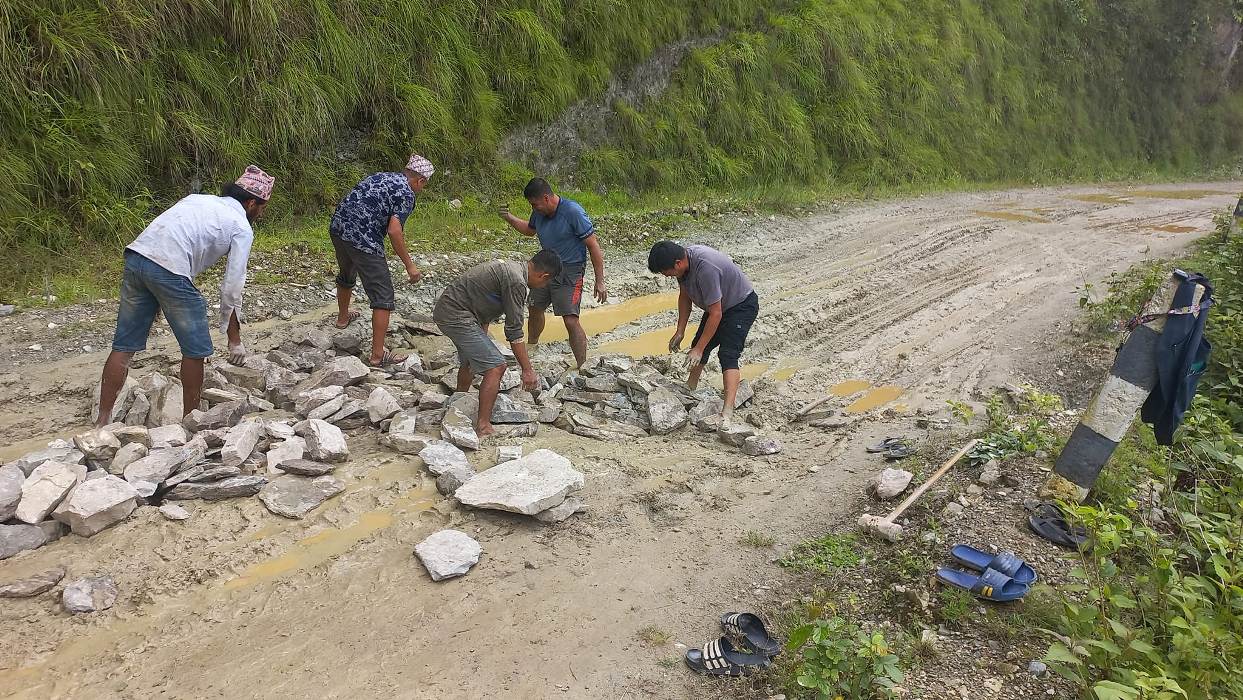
886	444
1005	562
1048	522
750	628
351	317
720	658
990	585
901	450
388	359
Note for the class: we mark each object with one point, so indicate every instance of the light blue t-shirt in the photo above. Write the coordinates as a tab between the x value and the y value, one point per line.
564	231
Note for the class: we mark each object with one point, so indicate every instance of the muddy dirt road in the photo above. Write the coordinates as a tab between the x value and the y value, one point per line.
900	305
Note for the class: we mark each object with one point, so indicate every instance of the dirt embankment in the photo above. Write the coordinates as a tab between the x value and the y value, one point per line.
916	301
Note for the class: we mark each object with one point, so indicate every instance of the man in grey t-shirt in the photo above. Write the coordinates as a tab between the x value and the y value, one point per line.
710	280
483	294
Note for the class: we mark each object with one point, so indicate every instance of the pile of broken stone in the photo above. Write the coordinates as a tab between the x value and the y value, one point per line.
275	425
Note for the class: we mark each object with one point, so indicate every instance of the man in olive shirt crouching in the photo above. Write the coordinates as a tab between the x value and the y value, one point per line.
479	297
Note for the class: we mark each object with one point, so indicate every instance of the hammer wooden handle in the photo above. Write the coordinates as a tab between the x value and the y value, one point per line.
931	480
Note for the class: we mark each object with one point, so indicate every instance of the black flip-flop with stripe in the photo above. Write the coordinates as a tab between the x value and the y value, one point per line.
750	628
720	658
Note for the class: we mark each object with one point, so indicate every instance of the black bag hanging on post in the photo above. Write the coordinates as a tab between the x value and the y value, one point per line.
1182	356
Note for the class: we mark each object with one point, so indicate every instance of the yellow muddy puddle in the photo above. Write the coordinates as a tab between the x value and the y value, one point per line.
849	387
603	319
1010	216
1173	228
1175	194
874	398
650	343
1101	198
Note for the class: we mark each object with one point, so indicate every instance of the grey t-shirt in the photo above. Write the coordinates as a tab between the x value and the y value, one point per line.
483	294
712	276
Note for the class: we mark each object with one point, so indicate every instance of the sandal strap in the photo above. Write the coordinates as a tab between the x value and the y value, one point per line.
990	583
1007	563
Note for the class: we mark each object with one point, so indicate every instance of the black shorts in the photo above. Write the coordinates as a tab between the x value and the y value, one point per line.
377	279
731	333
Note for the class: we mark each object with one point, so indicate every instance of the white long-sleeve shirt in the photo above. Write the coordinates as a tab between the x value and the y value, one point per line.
193	234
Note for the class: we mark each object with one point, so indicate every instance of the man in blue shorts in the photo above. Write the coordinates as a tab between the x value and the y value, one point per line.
377	207
564	228
160	265
710	280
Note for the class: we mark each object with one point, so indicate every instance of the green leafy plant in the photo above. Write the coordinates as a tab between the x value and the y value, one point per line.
961	410
839	660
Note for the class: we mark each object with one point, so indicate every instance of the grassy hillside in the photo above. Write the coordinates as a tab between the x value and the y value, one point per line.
112	108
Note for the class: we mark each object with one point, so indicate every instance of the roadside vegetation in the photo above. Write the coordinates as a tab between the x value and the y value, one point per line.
1152	611
112	110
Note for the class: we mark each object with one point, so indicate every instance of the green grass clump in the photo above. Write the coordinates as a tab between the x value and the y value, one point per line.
824	554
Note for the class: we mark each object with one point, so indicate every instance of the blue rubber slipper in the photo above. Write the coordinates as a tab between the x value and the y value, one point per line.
1006	563
990	585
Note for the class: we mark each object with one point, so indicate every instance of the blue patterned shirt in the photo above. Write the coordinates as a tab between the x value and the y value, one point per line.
361	219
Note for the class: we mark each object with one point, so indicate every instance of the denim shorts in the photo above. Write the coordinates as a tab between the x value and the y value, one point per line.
147	288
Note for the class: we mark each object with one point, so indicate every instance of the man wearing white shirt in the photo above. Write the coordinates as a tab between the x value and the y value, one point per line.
160	266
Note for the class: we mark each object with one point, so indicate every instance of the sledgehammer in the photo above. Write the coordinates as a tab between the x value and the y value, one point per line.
886	527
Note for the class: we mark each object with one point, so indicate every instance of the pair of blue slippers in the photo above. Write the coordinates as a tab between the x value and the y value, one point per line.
997	577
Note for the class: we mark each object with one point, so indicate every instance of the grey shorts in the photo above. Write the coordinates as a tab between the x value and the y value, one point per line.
377	279
473	346
563	293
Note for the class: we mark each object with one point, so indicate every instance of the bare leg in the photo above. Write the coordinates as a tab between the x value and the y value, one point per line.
379	329
578	339
191	383
732	378
535	325
116	369
488	390
693	380
464	377
344	294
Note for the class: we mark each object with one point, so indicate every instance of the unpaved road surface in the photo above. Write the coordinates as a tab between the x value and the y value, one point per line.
939	297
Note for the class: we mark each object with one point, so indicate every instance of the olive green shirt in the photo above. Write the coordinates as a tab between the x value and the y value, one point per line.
483	294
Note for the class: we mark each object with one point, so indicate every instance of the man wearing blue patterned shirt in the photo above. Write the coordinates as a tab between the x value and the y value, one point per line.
376	207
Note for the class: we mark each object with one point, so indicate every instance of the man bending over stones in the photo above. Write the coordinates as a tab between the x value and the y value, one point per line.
479	297
376	208
161	263
710	280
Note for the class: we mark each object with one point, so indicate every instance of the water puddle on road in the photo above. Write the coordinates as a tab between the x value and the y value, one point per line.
327	544
602	319
650	343
1101	198
849	387
874	398
1175	194
1010	216
1173	228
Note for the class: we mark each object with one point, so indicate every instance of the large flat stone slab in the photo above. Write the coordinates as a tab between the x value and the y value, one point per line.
527	485
236	487
31	586
295	496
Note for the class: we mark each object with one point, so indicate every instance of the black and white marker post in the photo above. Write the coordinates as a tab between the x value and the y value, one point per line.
1109	416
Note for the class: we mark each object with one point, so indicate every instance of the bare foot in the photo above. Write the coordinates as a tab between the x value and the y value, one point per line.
350	317
484	429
